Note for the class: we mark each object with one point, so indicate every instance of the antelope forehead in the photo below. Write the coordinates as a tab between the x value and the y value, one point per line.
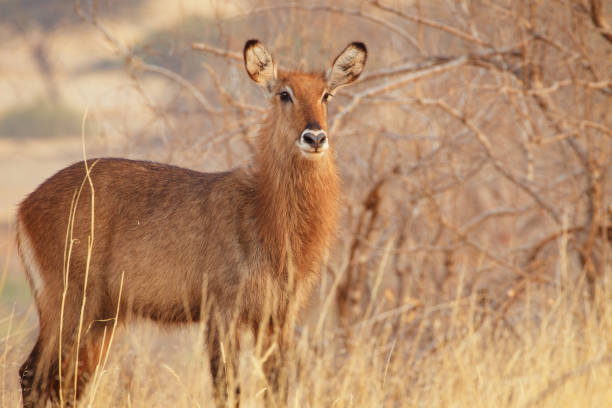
305	86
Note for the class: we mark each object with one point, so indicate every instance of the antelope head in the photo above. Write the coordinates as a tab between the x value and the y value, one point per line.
298	118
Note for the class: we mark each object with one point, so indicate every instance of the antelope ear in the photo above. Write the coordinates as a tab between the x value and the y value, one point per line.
347	66
258	63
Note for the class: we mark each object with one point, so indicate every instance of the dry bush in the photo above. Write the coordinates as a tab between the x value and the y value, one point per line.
473	264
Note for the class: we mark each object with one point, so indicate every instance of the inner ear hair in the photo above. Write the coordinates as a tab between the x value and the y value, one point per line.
259	63
347	66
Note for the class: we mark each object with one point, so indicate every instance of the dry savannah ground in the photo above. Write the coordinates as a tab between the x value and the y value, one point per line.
473	263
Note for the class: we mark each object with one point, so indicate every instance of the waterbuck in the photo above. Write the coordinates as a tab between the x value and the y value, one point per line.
121	239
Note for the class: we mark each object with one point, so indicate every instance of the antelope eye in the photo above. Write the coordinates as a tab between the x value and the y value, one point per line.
327	96
285	97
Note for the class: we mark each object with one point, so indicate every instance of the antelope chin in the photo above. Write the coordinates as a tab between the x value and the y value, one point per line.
312	153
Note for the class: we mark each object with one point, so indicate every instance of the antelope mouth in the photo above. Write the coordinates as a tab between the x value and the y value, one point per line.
313	153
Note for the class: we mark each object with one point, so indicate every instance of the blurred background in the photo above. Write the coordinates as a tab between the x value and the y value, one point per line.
474	150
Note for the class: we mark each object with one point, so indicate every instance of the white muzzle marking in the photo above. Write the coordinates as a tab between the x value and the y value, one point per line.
307	149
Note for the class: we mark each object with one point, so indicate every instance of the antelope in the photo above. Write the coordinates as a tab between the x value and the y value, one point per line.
162	242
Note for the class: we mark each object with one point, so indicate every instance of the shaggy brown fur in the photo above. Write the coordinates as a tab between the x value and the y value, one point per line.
242	246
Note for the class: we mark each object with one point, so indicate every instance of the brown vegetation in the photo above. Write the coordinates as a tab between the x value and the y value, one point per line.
472	265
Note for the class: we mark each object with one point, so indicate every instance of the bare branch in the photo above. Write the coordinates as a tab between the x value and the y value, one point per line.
138	64
220	52
597	16
391	85
486	144
433	24
350	12
134	62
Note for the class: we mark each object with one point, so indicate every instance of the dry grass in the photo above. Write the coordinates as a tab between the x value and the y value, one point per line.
460	354
473	264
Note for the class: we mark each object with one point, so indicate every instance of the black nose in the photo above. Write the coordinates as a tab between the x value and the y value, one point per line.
314	140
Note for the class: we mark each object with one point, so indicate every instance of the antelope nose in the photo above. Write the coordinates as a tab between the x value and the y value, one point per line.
314	140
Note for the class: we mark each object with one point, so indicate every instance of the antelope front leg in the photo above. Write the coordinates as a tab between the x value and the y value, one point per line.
223	351
279	365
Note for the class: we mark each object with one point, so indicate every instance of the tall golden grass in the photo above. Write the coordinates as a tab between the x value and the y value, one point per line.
557	354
